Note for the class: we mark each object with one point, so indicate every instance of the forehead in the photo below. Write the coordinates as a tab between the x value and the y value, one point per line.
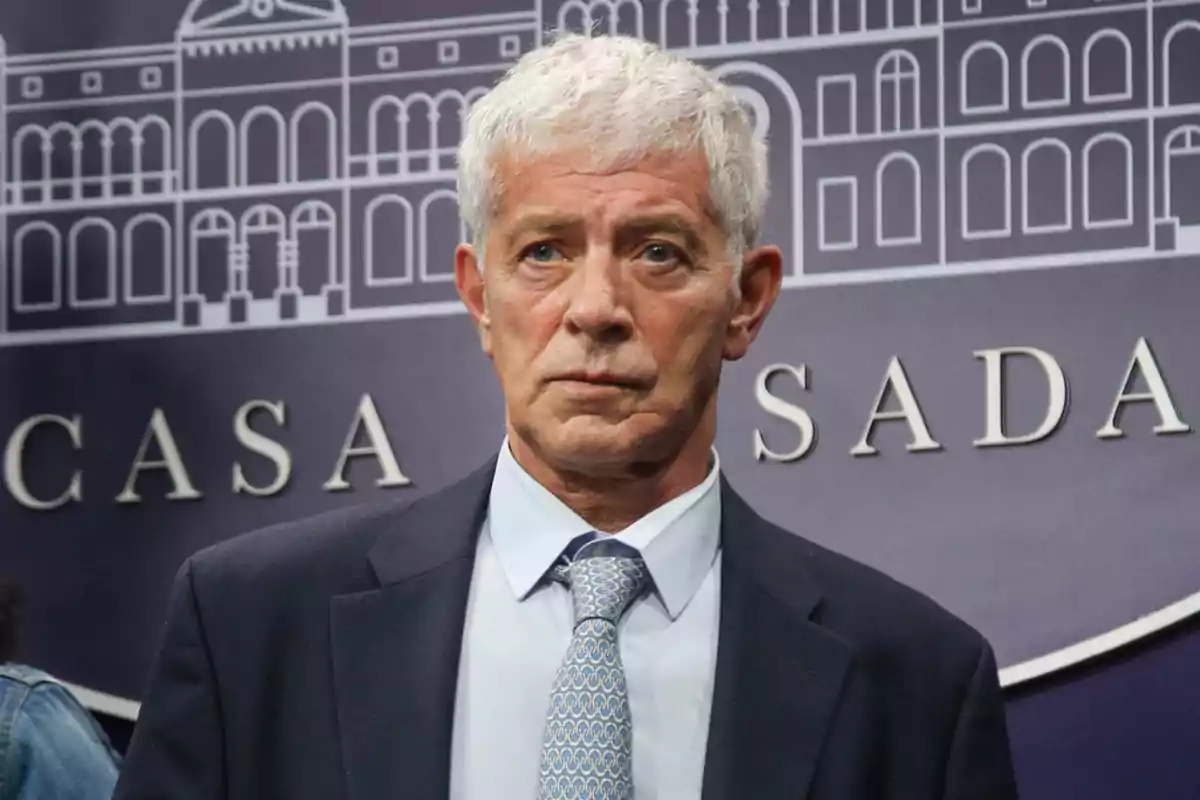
572	185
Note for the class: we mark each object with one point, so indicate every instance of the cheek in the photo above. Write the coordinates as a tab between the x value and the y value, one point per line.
686	344
520	332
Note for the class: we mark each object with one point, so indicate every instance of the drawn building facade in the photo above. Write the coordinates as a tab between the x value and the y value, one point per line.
276	165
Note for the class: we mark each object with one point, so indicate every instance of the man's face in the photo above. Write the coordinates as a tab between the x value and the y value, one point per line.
607	303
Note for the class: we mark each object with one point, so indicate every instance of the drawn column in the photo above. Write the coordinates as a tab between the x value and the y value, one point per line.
337	299
238	296
287	294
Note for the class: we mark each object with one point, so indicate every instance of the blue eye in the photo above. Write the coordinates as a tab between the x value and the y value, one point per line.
659	253
542	251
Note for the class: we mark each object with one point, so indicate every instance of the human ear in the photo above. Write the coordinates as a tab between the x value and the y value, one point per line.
760	280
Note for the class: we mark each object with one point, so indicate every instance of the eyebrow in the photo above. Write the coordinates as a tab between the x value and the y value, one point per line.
638	227
633	227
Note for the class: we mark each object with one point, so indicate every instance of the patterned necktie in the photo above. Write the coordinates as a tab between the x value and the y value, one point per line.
587	749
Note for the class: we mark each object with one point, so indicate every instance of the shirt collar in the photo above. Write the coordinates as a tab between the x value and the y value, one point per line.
529	528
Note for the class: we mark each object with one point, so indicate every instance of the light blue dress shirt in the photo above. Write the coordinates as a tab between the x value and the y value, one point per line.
518	628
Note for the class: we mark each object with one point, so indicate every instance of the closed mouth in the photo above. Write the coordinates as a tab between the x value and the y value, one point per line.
600	379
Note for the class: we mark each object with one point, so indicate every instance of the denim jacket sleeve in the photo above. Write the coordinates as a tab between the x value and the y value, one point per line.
50	746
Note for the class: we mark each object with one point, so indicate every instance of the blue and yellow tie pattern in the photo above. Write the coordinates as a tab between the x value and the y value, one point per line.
587	749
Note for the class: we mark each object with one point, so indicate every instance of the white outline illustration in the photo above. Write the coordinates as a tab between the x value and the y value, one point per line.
976	53
1039	74
1062	176
849	203
826	85
1097	41
910	205
975	187
373	135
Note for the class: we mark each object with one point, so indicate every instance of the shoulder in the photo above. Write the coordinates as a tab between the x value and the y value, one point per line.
35	700
50	746
879	616
322	545
289	567
322	555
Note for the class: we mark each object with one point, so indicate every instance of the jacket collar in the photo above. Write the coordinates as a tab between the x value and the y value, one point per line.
396	653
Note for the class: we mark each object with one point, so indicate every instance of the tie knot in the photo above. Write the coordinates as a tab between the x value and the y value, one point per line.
605	577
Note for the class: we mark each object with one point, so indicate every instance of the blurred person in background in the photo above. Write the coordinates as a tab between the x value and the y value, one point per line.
50	746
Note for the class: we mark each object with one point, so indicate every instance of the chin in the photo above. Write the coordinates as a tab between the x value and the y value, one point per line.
586	444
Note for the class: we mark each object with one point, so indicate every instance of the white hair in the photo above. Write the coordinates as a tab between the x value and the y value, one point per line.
621	99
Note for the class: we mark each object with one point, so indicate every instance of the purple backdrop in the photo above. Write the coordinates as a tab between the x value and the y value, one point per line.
225	238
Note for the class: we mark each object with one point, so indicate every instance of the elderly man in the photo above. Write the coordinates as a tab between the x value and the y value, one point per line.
595	613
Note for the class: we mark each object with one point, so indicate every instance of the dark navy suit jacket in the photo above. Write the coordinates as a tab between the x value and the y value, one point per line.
318	661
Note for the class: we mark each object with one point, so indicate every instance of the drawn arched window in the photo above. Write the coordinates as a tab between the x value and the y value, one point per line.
1046	187
418	121
441	231
386	136
756	107
898	200
95	159
1107	67
451	109
209	260
986	193
312	144
1045	73
388	241
614	17
262	148
264	233
314	230
1107	182
65	148
92	264
126	158
147	246
1182	174
38	264
212	152
154	152
983	79
677	23
1180	62
897	93
31	164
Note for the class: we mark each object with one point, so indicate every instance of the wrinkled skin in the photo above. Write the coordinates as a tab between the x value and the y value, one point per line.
608	304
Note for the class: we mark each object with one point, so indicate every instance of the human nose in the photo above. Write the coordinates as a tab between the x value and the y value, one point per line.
597	305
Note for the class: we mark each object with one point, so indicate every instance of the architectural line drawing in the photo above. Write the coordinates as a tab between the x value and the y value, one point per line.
1046	63
1107	173
975	188
989	62
909	202
1097	51
844	211
274	164
1051	174
831	123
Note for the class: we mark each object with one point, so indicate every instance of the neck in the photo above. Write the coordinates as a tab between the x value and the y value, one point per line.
611	501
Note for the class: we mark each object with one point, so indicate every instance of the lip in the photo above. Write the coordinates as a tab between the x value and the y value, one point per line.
599	380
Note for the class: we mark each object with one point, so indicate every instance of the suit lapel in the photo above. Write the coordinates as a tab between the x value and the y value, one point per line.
396	648
778	674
